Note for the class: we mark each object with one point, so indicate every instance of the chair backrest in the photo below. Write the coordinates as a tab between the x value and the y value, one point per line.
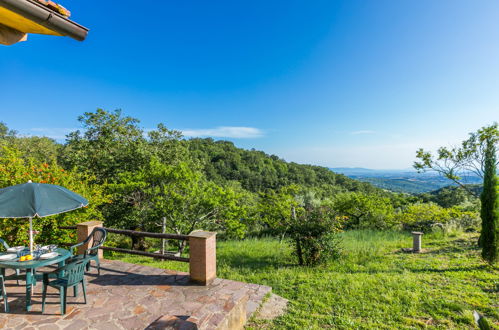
75	271
99	236
4	243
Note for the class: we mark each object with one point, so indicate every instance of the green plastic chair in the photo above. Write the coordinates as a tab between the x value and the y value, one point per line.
69	276
4	295
6	246
98	236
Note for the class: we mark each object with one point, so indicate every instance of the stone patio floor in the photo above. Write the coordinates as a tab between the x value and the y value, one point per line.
129	296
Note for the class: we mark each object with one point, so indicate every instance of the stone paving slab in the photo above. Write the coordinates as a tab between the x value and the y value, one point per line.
129	296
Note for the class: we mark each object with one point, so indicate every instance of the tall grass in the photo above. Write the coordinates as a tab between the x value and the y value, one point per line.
373	284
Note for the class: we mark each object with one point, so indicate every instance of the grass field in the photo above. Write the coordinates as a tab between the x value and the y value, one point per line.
373	285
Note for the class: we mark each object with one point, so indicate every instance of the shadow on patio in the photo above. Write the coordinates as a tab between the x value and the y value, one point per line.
128	296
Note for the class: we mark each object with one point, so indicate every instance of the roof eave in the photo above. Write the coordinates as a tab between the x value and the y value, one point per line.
46	17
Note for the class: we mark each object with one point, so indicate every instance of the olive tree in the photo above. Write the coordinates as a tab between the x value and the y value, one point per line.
477	155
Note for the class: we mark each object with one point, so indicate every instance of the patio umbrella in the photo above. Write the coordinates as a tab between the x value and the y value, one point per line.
30	200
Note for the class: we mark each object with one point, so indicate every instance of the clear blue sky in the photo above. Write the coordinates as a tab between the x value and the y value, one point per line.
333	83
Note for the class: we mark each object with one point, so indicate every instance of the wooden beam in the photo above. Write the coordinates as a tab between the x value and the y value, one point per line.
10	36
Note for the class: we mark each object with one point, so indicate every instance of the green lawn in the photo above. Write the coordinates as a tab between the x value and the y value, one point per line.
374	285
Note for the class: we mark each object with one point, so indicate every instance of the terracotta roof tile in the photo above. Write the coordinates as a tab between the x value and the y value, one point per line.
55	7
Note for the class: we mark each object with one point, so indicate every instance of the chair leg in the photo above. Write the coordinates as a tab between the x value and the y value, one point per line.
62	299
65	300
5	300
44	295
5	303
18	273
84	290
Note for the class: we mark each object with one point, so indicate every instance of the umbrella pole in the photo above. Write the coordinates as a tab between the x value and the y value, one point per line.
31	236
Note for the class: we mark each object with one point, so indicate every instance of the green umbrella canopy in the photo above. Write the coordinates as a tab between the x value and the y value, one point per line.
29	200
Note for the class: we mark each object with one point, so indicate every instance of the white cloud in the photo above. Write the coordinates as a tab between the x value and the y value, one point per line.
58	134
361	132
225	132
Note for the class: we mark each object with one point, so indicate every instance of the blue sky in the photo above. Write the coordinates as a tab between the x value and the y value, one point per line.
351	83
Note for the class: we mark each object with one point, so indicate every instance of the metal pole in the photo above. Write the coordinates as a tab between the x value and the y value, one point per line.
31	236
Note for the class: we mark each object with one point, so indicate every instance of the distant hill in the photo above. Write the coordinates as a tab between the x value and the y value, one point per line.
405	181
257	171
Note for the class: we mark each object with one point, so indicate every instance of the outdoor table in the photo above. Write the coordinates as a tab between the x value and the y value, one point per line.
31	266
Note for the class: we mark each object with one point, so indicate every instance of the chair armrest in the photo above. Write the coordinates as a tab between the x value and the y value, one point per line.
5	245
75	246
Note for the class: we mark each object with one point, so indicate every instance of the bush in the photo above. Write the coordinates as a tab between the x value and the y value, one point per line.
427	217
314	235
15	170
365	211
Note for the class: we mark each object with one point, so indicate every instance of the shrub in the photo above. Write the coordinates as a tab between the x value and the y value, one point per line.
15	170
427	217
314	235
365	211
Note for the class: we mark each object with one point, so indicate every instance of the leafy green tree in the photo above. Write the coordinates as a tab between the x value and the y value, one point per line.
40	149
455	163
426	216
490	206
168	145
365	211
178	192
110	144
238	212
278	208
313	235
476	154
14	169
5	132
451	196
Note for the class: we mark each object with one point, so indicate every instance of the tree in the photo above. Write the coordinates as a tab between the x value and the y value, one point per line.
313	235
276	208
490	206
5	132
109	145
455	163
364	211
15	169
477	155
179	192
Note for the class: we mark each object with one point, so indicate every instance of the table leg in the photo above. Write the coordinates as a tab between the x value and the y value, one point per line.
29	280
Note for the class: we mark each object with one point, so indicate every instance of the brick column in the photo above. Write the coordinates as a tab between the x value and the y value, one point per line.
202	257
83	230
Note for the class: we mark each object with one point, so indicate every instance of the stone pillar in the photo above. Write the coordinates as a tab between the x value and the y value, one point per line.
202	257
416	241
83	230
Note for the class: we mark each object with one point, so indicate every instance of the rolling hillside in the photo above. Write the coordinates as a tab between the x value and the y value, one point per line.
405	181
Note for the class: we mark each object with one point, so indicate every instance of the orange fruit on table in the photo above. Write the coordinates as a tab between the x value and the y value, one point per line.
23	258
29	257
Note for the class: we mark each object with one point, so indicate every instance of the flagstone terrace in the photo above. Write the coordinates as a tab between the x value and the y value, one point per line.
129	296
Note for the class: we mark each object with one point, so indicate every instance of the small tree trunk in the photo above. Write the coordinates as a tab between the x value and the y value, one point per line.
299	252
181	246
138	243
